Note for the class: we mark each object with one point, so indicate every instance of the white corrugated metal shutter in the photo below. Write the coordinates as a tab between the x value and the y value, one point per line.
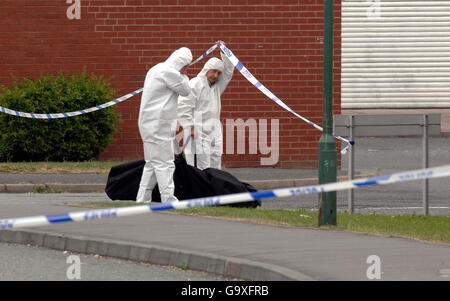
395	54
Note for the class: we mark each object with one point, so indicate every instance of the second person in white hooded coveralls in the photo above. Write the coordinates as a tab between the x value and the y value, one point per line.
199	113
157	123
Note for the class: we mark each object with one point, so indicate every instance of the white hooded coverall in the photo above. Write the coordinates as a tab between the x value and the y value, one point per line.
201	109
157	124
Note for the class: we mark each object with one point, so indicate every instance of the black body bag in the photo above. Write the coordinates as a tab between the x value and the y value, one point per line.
190	183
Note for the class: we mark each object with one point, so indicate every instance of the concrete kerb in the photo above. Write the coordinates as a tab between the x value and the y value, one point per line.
220	265
98	188
51	188
274	184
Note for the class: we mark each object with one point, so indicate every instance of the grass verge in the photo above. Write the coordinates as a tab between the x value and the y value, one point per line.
425	228
58	167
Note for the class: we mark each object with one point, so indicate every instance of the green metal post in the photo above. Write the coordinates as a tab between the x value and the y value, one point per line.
327	144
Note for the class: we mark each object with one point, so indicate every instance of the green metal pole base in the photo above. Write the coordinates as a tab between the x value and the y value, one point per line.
327	174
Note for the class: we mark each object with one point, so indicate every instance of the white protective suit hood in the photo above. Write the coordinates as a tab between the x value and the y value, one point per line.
212	64
179	58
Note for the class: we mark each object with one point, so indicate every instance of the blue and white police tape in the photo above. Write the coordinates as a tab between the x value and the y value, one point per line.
234	60
37	221
204	54
70	114
93	109
244	71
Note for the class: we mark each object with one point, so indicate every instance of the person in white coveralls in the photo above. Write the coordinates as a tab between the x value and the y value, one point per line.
199	113
157	123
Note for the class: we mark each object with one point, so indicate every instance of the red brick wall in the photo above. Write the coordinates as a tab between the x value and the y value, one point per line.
280	42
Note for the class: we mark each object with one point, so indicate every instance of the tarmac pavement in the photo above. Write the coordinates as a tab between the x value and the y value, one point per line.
225	247
230	248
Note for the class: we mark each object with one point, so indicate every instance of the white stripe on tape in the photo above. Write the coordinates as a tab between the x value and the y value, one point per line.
37	221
